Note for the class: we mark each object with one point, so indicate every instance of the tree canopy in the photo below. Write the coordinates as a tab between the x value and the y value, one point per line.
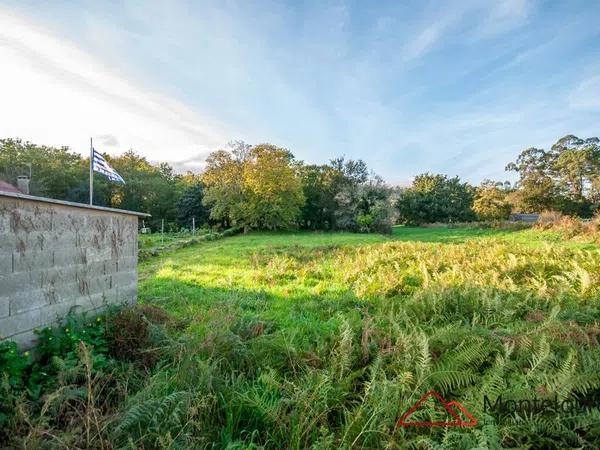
265	187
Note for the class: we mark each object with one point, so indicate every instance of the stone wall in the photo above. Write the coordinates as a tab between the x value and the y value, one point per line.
57	257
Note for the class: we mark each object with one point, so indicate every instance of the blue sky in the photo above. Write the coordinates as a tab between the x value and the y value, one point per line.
456	87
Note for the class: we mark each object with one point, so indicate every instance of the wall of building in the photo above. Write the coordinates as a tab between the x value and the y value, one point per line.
56	258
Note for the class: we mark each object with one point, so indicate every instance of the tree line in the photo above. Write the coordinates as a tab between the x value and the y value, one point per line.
265	187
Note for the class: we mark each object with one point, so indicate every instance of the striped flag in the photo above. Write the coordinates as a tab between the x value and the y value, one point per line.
100	165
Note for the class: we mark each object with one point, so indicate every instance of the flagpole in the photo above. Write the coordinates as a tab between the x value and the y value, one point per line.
91	171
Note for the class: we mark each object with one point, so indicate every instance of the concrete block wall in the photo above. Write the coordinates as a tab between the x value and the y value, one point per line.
56	257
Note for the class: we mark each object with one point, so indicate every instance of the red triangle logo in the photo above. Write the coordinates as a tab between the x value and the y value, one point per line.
453	408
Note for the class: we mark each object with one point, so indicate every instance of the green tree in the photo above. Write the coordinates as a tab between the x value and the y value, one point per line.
318	212
491	202
273	189
190	206
565	178
55	172
223	179
254	187
436	198
148	188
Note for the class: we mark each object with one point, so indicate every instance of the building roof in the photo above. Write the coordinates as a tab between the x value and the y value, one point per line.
18	194
7	187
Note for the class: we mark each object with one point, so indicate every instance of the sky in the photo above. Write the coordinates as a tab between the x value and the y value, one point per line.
456	87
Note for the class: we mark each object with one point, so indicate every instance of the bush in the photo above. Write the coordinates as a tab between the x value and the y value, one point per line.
569	226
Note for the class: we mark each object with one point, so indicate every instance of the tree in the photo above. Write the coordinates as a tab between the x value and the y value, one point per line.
190	206
254	187
576	162
272	188
349	177
223	181
491	201
55	171
148	188
436	198
563	178
318	212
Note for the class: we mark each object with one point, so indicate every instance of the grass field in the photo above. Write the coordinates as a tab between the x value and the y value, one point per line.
323	340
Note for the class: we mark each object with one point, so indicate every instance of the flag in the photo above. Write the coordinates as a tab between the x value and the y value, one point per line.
100	165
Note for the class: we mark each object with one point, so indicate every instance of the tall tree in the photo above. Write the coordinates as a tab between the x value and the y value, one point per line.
190	209
254	187
491	201
55	172
563	178
436	198
273	188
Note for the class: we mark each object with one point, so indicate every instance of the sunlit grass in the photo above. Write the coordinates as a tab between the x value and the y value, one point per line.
324	339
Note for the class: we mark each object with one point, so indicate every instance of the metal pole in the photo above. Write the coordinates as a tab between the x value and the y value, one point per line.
194	225
91	172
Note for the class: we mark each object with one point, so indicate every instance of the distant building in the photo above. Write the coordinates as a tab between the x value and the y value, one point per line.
7	187
22	183
531	218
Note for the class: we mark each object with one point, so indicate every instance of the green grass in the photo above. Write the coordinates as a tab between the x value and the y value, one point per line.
323	340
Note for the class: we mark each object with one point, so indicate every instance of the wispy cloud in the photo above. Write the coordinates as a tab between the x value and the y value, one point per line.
506	15
61	95
586	96
412	86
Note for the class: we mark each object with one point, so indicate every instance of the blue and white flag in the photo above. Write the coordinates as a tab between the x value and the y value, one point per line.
100	165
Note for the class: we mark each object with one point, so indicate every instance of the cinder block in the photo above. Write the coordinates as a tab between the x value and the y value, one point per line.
4	307
28	300
69	256
65	292
30	216
4	219
55	276
100	284
95	254
100	300
32	260
58	239
128	293
69	219
35	318
8	243
127	263
6	265
99	228
111	266
124	278
17	282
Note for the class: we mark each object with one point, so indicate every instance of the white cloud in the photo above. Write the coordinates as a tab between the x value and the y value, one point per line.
54	93
586	95
506	15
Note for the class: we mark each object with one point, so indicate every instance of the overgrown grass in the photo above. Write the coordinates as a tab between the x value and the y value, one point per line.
322	340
